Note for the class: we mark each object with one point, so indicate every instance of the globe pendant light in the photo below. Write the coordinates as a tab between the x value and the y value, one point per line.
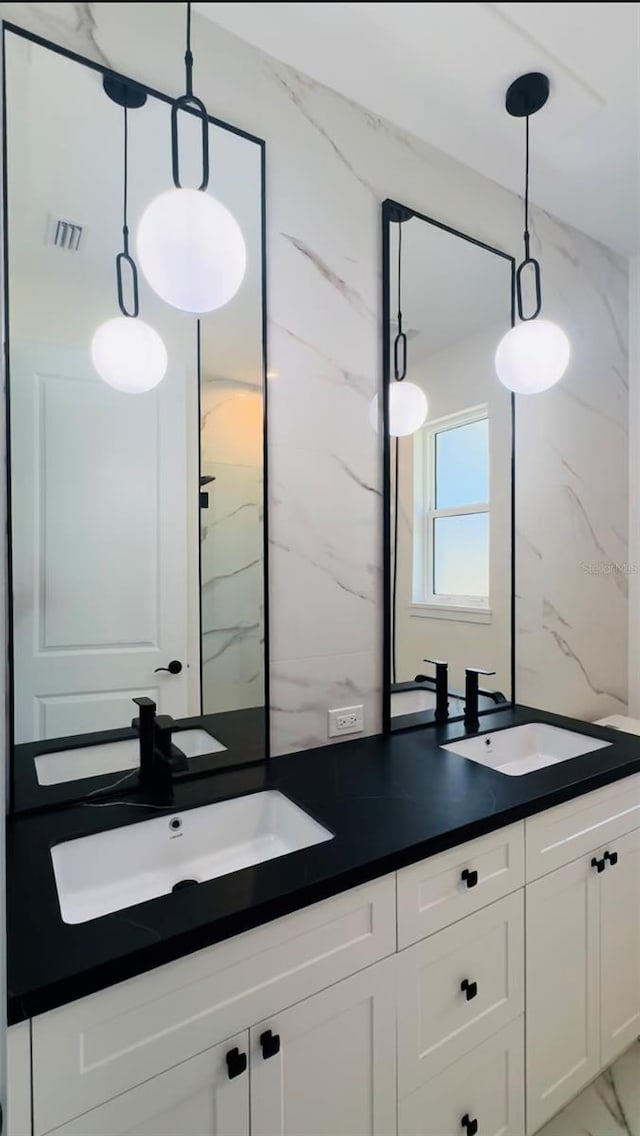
408	406
534	354
126	352
190	247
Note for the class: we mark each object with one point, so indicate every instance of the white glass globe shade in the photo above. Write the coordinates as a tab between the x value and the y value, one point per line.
408	409
532	356
191	250
129	355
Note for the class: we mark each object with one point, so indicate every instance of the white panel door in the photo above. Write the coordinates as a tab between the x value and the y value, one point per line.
196	1098
334	1071
620	947
100	574
562	987
485	1089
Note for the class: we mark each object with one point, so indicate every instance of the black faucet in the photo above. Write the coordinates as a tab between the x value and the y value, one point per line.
471	720
159	758
442	689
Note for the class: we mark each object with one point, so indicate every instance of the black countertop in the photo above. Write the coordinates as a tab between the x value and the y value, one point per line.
389	800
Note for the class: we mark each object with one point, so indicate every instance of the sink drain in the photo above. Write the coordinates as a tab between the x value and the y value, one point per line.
184	884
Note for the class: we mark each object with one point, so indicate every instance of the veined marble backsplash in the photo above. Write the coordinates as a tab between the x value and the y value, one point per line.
329	166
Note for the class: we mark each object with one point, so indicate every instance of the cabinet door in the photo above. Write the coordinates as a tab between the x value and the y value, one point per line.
620	947
562	987
486	1087
328	1065
195	1098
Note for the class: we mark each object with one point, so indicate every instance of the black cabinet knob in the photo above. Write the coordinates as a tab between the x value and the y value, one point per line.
469	989
470	1124
174	668
470	877
270	1043
612	857
599	865
236	1063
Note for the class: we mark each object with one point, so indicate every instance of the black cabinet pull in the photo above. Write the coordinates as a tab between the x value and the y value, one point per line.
270	1043
470	1125
469	989
599	865
174	668
612	857
236	1063
470	877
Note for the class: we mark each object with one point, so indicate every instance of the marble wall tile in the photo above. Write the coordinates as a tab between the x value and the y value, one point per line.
329	165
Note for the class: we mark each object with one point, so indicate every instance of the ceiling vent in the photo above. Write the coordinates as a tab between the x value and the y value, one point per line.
64	234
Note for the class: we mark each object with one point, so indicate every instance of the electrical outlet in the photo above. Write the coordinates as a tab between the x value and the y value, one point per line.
347	720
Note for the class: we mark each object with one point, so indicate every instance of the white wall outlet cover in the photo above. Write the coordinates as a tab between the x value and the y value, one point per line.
346	720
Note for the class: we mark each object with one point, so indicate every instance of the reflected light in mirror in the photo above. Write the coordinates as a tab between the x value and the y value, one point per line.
408	409
191	250
129	355
532	356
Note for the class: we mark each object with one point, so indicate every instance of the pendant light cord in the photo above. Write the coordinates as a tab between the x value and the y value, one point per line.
125	188
125	257
400	341
526	189
188	58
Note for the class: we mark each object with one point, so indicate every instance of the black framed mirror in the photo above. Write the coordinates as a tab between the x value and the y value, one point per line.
448	453
138	520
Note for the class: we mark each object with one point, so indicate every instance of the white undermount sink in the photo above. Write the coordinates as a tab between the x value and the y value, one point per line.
113	757
96	875
523	749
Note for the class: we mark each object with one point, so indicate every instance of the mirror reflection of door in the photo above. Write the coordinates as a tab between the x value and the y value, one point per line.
108	525
451	481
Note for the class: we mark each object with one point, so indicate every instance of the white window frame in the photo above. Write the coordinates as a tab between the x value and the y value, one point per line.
426	602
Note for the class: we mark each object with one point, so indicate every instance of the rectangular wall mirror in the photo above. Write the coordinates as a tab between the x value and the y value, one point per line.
138	543
449	476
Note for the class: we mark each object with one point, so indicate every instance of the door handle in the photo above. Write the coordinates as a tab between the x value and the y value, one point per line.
270	1043
236	1063
469	989
612	857
599	865
469	877
174	668
470	1124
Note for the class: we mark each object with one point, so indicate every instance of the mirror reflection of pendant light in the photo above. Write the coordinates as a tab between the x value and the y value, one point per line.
190	247
534	354
126	352
408	406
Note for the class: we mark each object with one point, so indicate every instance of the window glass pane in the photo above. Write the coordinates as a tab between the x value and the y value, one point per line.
462	465
461	555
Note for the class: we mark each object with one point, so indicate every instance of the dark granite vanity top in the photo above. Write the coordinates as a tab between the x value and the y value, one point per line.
389	800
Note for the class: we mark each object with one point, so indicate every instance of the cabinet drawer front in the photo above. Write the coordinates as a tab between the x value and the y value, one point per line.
562	834
437	1023
91	1050
487	1086
433	893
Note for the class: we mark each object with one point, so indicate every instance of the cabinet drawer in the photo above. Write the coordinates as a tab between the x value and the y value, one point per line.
437	1022
487	1086
433	893
559	835
91	1050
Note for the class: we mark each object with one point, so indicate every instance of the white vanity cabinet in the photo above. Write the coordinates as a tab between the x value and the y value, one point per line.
420	1004
326	1064
583	946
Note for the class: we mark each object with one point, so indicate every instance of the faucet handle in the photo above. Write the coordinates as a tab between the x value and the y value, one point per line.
437	662
478	671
